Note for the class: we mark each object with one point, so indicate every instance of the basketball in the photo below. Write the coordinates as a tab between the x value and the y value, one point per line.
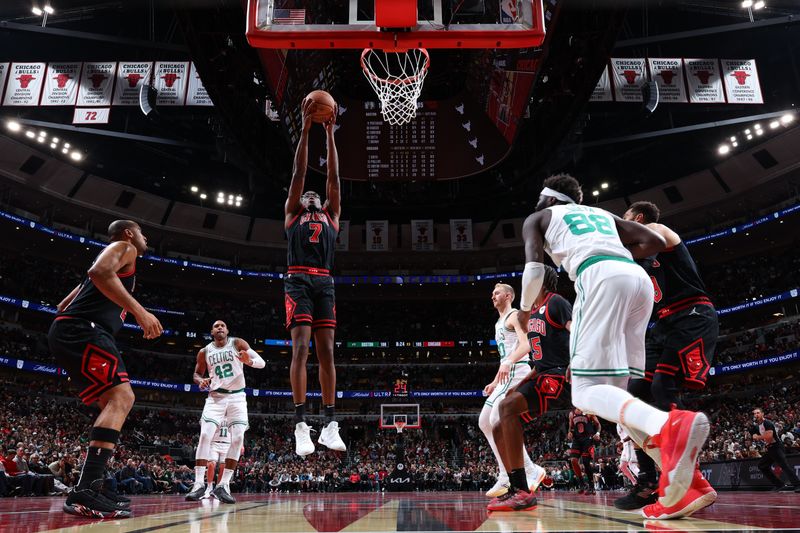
324	106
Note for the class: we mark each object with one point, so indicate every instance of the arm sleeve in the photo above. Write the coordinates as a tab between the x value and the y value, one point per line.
532	279
256	362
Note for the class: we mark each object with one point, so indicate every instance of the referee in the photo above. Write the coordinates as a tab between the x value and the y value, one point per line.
764	430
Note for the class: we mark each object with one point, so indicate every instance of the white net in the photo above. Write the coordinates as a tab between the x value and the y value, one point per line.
397	79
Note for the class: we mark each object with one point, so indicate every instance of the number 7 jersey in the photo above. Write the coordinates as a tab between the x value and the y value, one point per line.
578	232
224	367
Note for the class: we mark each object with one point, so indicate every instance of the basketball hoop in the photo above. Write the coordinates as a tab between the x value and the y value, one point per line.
396	76
399	425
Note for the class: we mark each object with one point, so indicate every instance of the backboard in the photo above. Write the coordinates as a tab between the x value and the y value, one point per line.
394	412
395	24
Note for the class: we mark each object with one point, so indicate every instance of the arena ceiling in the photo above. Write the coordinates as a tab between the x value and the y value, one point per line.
233	145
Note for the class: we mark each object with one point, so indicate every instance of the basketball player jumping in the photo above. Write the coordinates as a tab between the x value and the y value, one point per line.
513	347
548	337
311	228
223	358
680	348
81	339
219	451
584	431
612	309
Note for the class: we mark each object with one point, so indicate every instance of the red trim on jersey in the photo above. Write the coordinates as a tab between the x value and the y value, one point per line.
289	225
547	312
682	305
330	218
670	249
64	317
311	271
126	274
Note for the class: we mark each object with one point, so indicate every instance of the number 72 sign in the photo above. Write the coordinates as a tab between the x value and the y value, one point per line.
91	115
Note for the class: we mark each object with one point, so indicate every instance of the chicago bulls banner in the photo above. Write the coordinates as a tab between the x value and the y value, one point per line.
461	234
704	81
130	78
377	235
628	75
422	235
91	115
197	94
343	238
97	83
24	84
602	91
3	76
741	81
61	84
171	81
668	74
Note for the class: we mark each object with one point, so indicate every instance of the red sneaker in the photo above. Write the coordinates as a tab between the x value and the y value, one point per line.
699	496
518	501
680	441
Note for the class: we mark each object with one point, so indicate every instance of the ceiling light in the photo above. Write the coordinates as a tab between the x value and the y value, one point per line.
203	196
747	3
238	204
774	124
64	151
41	139
66	145
238	198
55	139
76	156
194	188
230	197
53	145
604	185
30	134
734	144
787	118
759	5
749	137
595	193
747	131
757	126
220	200
759	132
723	149
49	9
13	125
36	11
733	139
230	201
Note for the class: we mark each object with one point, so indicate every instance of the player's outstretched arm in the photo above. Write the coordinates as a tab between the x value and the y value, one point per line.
116	257
293	206
200	370
333	191
672	238
68	299
247	355
533	231
639	239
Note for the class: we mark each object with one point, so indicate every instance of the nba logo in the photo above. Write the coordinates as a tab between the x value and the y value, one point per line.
339	394
187	387
25	304
82	239
793	292
20	364
255	392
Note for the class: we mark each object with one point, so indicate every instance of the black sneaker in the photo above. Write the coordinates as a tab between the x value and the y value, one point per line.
115	496
196	494
222	494
643	493
91	503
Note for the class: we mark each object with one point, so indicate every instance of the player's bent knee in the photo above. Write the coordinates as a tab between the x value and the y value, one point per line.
120	397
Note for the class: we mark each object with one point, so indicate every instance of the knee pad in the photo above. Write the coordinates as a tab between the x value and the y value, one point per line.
237	439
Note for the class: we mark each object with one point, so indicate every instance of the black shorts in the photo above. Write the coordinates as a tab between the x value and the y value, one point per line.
310	301
682	345
89	355
582	447
544	391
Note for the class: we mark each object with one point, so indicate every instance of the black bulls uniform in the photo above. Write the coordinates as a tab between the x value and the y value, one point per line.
308	288
682	341
82	339
583	430
549	339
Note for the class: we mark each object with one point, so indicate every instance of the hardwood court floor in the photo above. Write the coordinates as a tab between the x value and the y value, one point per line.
443	511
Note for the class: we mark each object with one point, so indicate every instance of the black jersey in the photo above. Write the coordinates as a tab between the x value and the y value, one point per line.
582	426
548	335
675	278
312	238
93	305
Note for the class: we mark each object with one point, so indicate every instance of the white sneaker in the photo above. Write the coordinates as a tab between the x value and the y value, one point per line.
500	488
302	436
330	437
535	474
208	494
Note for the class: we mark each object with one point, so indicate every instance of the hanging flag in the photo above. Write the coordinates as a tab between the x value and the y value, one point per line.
170	81
602	91
422	235
704	81
197	94
3	76
343	237
668	74
97	83
377	235
741	81
628	75
289	16
61	84
130	78
91	115
24	84
461	234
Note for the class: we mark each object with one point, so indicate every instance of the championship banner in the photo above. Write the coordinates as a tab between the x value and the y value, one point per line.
705	84
377	235
91	115
97	83
130	78
741	81
629	76
61	84
461	234
343	237
197	94
422	235
24	84
3	76
171	81
668	74
602	91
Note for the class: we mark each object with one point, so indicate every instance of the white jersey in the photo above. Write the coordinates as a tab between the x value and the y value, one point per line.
506	338
578	232
222	437
224	366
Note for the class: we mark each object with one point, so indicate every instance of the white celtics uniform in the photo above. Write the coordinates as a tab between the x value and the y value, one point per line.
614	295
506	344
227	400
220	443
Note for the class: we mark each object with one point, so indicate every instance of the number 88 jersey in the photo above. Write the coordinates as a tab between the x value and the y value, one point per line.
578	232
224	367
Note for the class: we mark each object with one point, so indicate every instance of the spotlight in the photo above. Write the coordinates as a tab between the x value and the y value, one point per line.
787	118
64	151
230	201
595	193
747	3
194	188
53	145
604	185
774	124
749	137
734	144
747	131
238	204
55	139
759	132
203	196
41	139
66	145
757	126
759	5
13	125
220	200
733	139
238	198
30	134
76	156
36	11
230	197
42	133
723	149
49	9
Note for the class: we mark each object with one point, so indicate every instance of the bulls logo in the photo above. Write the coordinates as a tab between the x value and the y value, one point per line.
170	78
703	76
656	264
667	76
133	79
97	79
741	76
549	385
25	80
630	76
62	79
694	360
694	364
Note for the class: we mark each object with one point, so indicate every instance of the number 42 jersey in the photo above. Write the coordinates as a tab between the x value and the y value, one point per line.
224	366
578	232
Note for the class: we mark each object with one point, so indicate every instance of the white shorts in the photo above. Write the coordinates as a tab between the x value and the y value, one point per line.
519	372
219	451
612	308
628	454
220	406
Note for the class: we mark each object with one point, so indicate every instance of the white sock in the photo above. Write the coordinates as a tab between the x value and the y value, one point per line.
227	474
639	437
209	488
595	395
199	476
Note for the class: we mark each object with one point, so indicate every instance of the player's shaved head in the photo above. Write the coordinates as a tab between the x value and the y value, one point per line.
116	228
505	287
